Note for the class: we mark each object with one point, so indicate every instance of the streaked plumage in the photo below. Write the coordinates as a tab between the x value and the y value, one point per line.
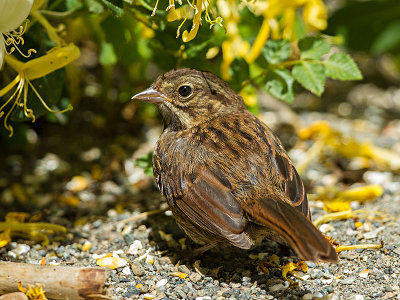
226	176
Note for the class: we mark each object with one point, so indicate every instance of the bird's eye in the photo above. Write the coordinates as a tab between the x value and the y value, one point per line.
185	91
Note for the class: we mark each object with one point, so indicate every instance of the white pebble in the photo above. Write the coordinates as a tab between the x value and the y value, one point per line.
22	249
135	247
324	228
162	282
373	177
126	271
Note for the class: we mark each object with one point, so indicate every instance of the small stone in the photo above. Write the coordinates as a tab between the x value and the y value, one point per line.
316	274
126	271
318	295
162	282
183	269
195	277
324	228
327	281
307	297
279	287
137	269
12	254
22	249
348	280
374	233
135	247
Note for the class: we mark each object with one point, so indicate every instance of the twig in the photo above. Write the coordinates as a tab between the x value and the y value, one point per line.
59	282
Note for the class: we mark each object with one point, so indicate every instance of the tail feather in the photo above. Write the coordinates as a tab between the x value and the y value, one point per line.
300	233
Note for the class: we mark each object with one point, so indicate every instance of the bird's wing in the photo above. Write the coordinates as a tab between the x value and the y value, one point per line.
207	201
291	182
284	207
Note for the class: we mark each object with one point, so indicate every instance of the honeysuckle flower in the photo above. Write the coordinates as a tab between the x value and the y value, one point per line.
279	19
12	15
55	59
196	7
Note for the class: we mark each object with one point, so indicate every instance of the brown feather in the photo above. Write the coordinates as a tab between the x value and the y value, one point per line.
226	176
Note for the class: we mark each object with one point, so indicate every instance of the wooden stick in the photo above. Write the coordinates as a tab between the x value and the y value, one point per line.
59	282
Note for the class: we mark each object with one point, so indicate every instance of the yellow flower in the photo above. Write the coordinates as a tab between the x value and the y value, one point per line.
12	14
315	15
196	7
279	18
55	59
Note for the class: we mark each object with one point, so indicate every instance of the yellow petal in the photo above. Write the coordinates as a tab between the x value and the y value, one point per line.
77	184
179	274
5	238
260	41
361	194
55	59
336	206
188	36
315	15
112	262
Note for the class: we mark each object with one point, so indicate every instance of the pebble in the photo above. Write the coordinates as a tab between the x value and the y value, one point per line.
279	287
348	280
316	274
183	269
162	282
126	271
137	269
22	249
195	277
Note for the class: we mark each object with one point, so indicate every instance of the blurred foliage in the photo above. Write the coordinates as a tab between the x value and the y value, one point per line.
370	26
111	49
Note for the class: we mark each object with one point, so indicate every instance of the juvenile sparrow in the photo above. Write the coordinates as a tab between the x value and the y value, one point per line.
226	176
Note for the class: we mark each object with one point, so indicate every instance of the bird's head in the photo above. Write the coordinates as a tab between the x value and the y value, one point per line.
188	97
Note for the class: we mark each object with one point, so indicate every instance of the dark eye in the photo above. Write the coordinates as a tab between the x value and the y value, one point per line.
185	91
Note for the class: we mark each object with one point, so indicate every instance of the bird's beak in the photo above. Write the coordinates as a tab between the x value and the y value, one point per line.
150	95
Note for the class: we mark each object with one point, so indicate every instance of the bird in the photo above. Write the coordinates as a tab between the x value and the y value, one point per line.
225	175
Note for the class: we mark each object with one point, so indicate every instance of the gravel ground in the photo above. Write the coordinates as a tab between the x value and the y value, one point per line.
94	192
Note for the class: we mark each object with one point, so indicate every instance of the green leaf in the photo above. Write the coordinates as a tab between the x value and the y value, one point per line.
94	6
146	163
71	4
311	76
313	48
361	23
276	51
115	6
239	70
299	29
341	66
280	85
107	55
388	39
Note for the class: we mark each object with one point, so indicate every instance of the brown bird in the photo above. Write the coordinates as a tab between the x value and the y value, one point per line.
226	176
